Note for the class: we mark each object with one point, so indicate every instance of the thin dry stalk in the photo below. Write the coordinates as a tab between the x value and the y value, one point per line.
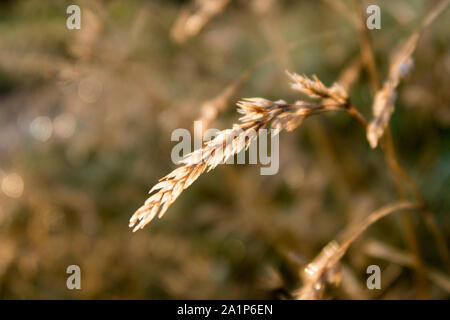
400	176
367	53
383	251
340	7
402	62
383	108
326	150
194	16
324	269
268	22
212	107
350	74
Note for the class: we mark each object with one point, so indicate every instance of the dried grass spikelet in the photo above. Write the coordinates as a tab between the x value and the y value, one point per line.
314	88
194	16
257	114
325	268
402	62
384	101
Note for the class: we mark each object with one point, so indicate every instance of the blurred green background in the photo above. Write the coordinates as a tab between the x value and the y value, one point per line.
85	123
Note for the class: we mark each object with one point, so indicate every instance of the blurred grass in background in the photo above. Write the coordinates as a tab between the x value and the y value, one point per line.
85	123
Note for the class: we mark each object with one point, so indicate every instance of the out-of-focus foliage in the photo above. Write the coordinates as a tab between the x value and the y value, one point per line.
85	123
